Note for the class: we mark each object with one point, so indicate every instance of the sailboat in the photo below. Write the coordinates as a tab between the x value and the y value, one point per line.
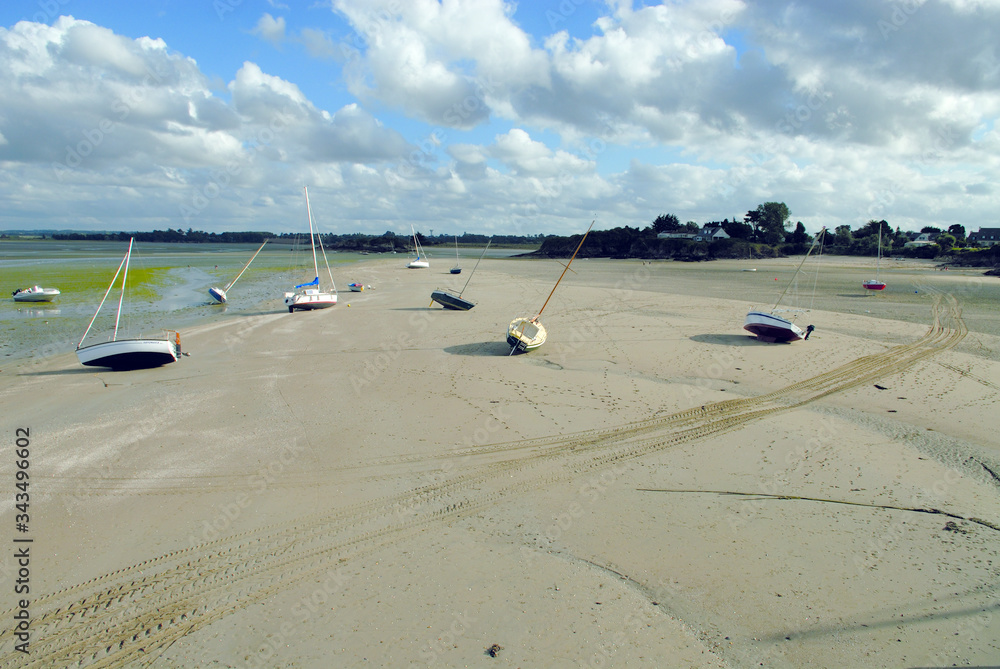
875	284
126	353
449	300
220	293
419	262
767	325
309	296
457	269
527	334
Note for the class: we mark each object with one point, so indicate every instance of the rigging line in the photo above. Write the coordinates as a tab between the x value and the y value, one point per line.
818	238
488	242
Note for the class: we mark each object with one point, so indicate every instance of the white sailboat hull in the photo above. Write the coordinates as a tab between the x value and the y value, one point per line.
769	327
524	334
418	264
309	299
130	353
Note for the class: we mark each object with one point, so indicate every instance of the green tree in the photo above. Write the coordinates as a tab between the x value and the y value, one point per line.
946	242
958	232
799	235
737	230
769	220
842	236
666	223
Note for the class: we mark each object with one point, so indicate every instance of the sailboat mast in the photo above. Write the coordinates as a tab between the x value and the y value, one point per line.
233	282
878	259
106	293
312	240
565	269
490	241
128	255
818	238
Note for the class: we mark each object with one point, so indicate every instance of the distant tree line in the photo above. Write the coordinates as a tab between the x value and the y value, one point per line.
169	235
388	241
765	231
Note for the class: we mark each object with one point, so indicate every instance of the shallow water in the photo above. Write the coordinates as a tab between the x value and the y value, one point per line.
167	286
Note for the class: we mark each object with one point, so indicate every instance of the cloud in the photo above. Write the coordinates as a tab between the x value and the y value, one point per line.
845	111
270	29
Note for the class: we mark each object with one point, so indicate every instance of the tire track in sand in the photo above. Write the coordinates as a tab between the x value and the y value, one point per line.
131	615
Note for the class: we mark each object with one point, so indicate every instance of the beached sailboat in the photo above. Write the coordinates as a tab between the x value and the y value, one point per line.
219	294
876	284
527	334
308	296
450	300
126	353
768	325
35	294
420	262
457	269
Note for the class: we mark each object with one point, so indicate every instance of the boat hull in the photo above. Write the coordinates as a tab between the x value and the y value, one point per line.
769	327
125	354
456	270
218	294
418	264
873	285
36	294
309	300
524	335
356	287
451	301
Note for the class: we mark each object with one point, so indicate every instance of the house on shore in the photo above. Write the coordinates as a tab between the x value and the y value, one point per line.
709	233
923	239
985	237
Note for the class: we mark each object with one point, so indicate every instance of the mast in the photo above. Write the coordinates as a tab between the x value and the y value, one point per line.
312	241
230	284
490	241
565	269
128	254
878	259
110	286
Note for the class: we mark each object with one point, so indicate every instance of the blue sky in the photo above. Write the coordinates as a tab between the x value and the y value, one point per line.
495	117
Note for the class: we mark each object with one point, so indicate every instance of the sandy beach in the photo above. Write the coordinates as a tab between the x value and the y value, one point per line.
379	484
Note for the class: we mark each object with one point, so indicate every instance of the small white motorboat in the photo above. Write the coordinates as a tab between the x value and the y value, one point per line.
35	294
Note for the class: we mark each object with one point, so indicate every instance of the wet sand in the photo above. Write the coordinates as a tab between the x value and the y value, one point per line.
380	484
